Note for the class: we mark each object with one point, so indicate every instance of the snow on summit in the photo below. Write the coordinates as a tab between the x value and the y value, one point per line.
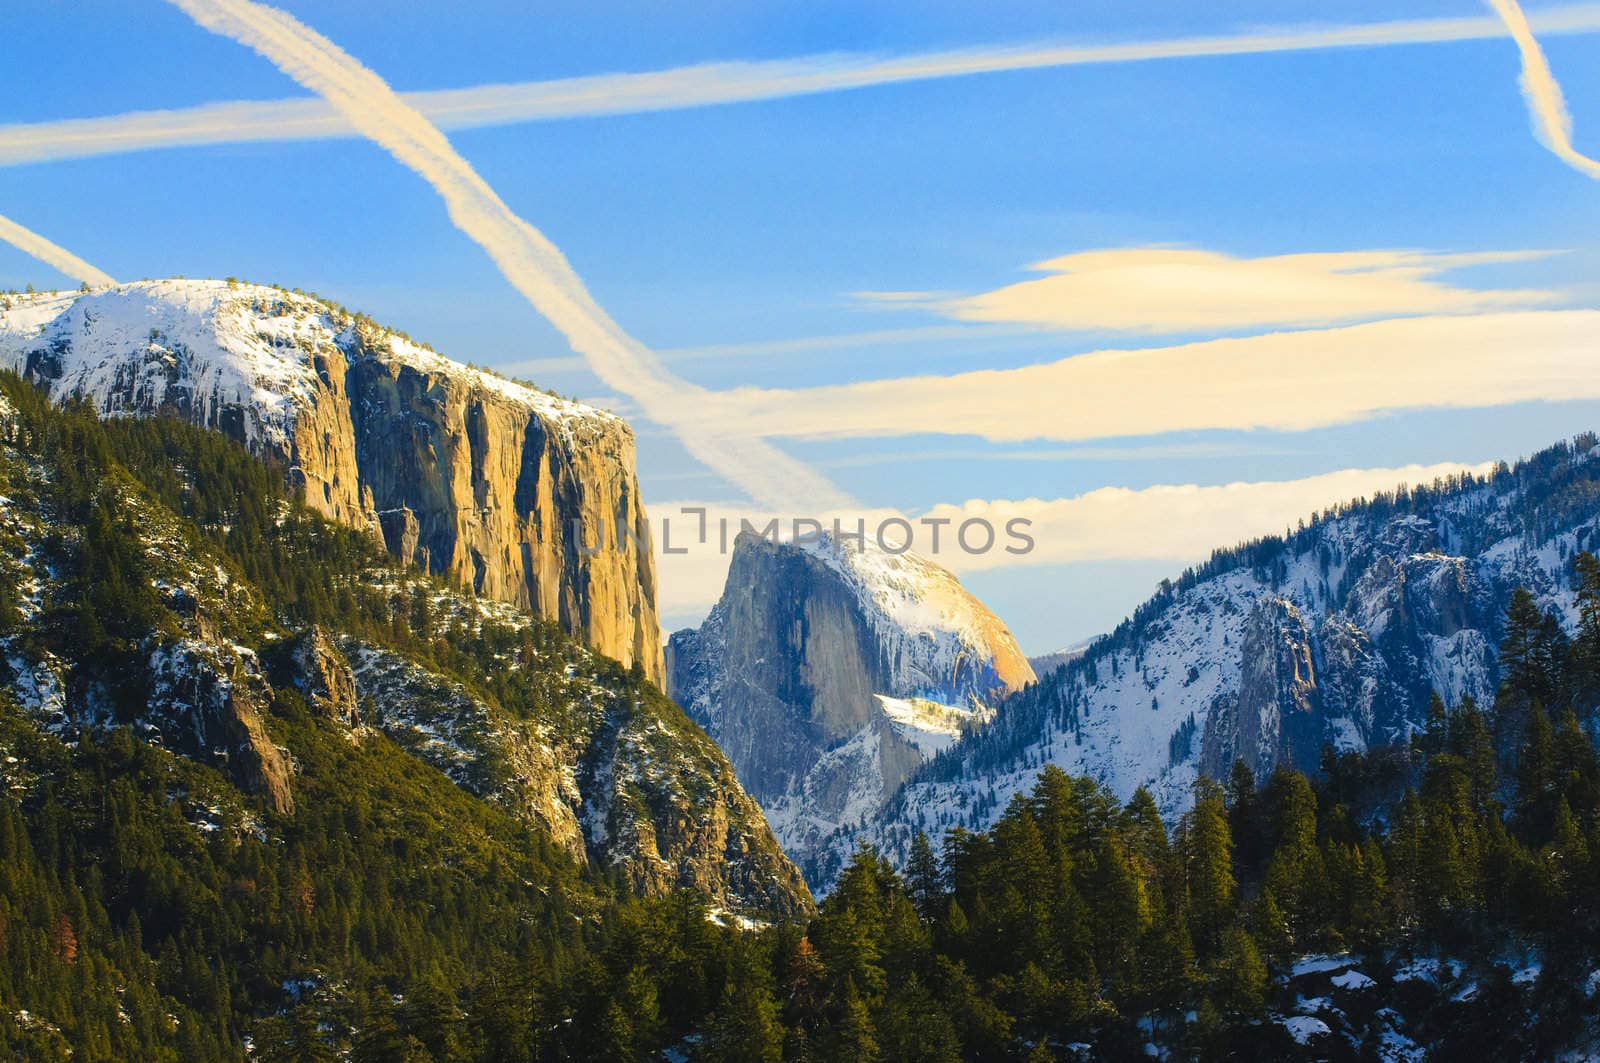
947	634
215	348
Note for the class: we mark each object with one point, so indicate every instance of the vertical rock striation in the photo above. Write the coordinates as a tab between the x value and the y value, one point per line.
516	494
829	674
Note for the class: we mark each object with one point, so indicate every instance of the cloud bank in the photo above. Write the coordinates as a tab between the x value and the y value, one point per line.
52	254
533	265
706	84
1180	523
1167	290
1283	381
1547	108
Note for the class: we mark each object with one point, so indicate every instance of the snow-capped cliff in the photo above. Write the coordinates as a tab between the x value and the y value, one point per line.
503	486
127	601
828	673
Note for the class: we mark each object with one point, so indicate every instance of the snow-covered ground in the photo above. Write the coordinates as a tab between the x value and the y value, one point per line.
943	643
1390	607
929	725
215	348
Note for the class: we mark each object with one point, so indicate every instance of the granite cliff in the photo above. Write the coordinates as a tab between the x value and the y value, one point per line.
156	579
516	494
828	674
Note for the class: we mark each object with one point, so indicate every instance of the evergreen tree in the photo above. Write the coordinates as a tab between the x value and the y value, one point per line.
1536	774
746	1026
1208	867
852	1037
1239	976
923	880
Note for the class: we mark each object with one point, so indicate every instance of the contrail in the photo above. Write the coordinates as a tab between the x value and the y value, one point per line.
50	254
708	84
1546	107
533	265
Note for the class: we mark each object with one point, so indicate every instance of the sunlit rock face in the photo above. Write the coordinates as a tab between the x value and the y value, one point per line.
828	674
522	496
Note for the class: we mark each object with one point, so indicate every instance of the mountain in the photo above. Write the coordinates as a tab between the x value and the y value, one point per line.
828	673
268	793
1046	663
522	496
1336	635
159	578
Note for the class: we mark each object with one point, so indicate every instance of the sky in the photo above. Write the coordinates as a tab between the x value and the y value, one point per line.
1153	305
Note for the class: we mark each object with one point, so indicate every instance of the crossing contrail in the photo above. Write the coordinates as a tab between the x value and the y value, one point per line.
1547	108
533	265
712	84
52	254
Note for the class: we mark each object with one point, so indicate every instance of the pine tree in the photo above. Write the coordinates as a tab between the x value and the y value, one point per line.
852	1037
1295	872
1239	976
1567	855
1585	657
923	880
1471	740
1208	867
1531	653
745	1028
1577	772
1536	774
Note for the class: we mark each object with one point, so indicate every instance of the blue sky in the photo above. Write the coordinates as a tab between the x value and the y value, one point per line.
735	238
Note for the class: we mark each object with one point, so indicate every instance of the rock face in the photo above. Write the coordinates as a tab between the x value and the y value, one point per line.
828	675
1274	713
1338	636
212	666
520	496
613	780
322	673
211	699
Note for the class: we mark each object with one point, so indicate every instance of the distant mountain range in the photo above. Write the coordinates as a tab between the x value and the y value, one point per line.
1333	637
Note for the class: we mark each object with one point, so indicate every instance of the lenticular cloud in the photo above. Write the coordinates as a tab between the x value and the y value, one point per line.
533	265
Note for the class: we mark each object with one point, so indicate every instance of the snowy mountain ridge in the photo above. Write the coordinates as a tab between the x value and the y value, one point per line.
216	346
1335	635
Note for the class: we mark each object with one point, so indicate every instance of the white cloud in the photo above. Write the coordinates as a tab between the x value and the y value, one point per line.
707	84
1183	523
1157	290
1284	381
54	255
1546	105
839	341
1177	523
533	265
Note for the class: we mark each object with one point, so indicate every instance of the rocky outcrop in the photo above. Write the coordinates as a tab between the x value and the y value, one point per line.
206	701
1273	716
616	779
828	675
516	494
322	673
